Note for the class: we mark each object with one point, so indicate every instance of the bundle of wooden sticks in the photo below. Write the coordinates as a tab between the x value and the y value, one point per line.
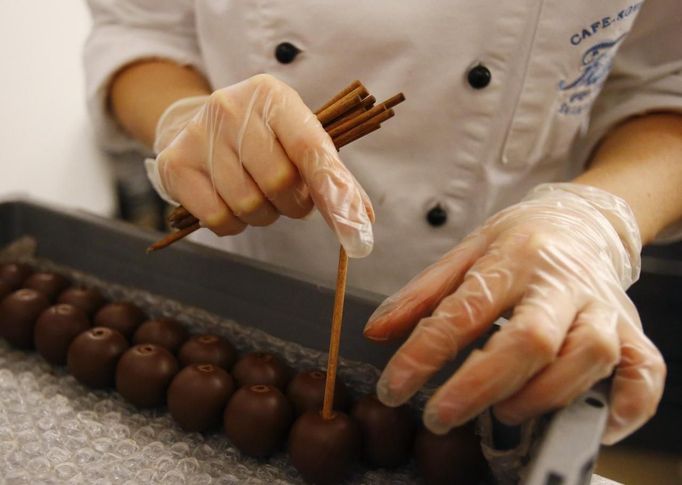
349	115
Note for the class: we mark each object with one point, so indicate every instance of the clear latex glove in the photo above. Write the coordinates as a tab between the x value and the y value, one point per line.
562	259
250	152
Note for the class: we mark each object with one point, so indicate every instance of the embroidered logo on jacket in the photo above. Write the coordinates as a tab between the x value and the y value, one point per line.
596	65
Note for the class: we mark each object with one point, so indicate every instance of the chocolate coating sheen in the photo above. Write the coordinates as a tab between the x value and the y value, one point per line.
121	316
93	355
323	450
18	314
208	349
261	368
163	332
14	274
306	392
454	457
198	395
48	283
387	433
56	328
257	419
87	299
144	373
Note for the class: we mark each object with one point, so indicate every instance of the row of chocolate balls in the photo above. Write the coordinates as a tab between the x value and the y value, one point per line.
202	382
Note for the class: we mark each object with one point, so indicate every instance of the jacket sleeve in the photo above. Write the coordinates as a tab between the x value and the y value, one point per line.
124	31
646	77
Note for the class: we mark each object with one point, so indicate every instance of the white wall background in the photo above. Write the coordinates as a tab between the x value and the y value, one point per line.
47	150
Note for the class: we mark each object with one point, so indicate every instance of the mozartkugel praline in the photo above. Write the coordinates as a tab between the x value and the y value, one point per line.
322	450
257	419
18	314
387	433
144	373
164	332
93	355
197	396
87	299
14	274
121	316
306	392
56	328
208	349
454	457
48	283
261	368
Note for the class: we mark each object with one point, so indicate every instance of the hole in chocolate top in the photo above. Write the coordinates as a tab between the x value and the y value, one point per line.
205	367
100	332
260	388
62	309
207	339
145	349
26	294
317	374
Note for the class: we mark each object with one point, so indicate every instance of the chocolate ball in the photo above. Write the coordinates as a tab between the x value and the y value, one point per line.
87	299
261	368
18	314
208	349
454	457
122	316
48	283
387	433
198	395
56	328
163	332
322	450
14	274
144	373
257	419
5	289
306	392
93	355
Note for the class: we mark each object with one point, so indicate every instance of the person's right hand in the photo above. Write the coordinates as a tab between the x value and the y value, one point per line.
250	152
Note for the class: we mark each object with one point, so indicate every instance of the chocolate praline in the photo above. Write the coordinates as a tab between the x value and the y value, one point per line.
48	283
163	332
5	289
322	450
87	299
387	433
256	419
144	373
261	368
121	316
56	328
208	349
93	355
14	274
306	392
18	314
454	457
197	396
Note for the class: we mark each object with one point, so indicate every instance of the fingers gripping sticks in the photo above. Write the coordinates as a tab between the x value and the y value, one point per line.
308	165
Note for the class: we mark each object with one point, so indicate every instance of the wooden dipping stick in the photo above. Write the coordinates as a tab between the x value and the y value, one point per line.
348	116
335	337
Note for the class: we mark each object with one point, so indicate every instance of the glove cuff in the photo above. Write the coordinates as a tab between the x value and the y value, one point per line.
618	219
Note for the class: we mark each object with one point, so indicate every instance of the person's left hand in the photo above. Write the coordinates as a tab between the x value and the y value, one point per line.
562	258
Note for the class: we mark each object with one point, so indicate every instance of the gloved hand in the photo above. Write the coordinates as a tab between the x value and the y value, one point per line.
561	258
250	152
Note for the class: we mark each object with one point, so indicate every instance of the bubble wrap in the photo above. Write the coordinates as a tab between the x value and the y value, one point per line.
54	430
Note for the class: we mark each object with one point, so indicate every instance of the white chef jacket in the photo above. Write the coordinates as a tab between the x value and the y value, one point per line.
561	75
